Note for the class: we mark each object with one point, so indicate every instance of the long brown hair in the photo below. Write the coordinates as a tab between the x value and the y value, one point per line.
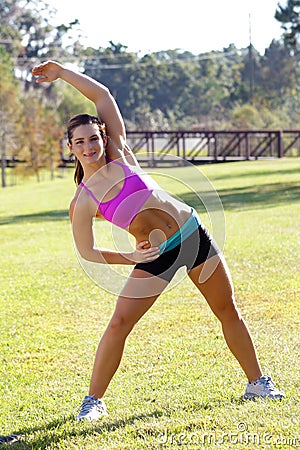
74	122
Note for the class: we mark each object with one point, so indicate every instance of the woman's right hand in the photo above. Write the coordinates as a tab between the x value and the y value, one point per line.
47	71
144	252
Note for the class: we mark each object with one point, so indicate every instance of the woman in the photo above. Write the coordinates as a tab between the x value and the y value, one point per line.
168	233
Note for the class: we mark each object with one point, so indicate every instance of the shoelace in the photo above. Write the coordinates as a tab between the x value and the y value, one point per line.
267	382
86	405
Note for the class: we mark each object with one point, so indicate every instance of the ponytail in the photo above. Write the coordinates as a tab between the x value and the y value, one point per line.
78	174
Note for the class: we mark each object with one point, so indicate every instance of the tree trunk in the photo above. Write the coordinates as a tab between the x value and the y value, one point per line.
3	161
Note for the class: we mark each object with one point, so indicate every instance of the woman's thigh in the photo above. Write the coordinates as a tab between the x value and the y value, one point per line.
213	280
138	295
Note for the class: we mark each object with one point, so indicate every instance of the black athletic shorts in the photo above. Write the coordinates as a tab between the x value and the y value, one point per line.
192	252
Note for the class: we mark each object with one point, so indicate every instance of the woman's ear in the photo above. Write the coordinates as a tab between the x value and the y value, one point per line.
105	139
69	145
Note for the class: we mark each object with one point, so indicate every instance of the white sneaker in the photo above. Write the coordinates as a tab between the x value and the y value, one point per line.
91	409
264	388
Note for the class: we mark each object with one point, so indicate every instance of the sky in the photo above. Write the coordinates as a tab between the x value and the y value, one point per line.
197	26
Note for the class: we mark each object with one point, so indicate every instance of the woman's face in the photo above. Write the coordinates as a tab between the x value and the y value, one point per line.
87	143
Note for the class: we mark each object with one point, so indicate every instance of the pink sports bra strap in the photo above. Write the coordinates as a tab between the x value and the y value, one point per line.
123	165
89	192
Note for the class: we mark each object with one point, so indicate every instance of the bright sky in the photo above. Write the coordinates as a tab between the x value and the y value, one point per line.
193	25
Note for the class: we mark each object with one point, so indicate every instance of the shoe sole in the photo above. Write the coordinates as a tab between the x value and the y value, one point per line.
266	397
81	419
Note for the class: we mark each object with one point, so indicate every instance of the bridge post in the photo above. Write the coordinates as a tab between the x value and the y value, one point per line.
247	146
279	144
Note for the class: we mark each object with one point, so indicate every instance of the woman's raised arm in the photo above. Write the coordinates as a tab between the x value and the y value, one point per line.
99	94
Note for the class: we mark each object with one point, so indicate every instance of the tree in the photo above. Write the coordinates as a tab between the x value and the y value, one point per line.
10	36
9	112
277	74
41	136
289	16
246	117
27	33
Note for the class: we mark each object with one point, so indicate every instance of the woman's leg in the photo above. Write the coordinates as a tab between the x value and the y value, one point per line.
213	280
129	309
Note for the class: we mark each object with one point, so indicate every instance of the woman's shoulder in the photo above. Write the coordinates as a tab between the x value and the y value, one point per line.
80	202
123	154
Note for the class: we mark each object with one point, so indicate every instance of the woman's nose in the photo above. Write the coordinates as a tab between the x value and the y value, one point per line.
88	145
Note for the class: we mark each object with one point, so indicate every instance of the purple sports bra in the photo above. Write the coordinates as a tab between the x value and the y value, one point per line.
122	209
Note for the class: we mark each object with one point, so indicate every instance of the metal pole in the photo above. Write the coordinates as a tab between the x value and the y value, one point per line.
3	160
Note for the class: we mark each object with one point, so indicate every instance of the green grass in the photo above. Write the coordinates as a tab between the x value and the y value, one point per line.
178	385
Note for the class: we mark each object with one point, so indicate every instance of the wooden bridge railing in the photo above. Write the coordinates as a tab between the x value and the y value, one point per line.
155	147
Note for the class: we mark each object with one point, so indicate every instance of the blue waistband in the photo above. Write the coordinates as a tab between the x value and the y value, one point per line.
182	234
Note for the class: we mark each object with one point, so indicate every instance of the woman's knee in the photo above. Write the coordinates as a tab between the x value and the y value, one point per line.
227	310
120	325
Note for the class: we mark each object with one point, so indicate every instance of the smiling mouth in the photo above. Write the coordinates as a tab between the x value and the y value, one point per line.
89	155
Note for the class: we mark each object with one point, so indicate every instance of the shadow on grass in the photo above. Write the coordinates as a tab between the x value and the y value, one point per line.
259	173
58	430
50	433
246	197
46	216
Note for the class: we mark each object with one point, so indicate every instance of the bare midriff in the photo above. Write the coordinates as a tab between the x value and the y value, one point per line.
159	219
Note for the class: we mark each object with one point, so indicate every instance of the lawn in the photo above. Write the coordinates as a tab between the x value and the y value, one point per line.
178	385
